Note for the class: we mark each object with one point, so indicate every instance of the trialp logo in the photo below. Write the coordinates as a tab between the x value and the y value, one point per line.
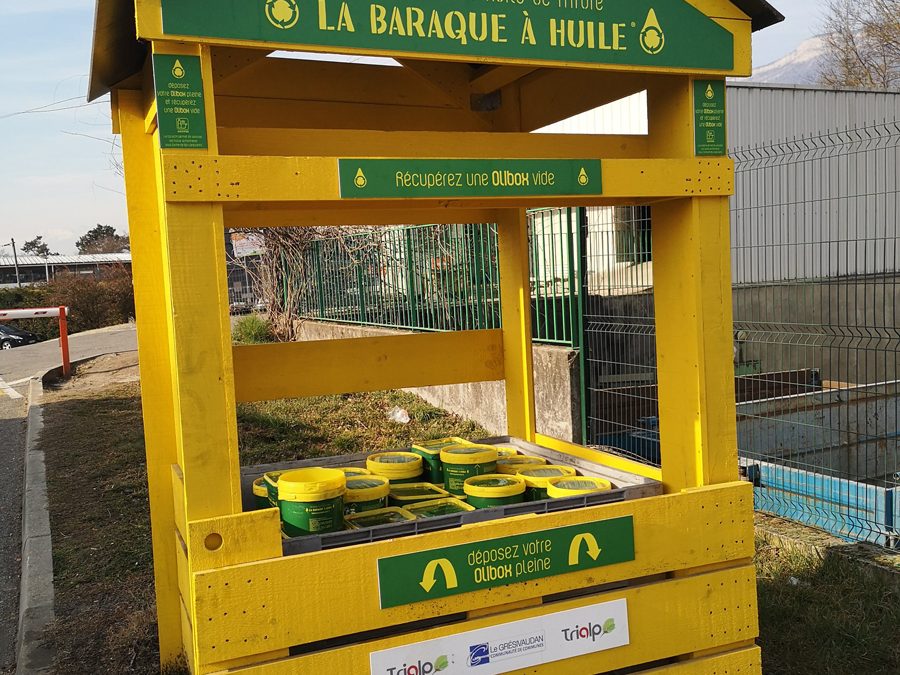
420	667
591	631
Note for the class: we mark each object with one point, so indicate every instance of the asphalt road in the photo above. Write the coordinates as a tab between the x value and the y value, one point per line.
17	366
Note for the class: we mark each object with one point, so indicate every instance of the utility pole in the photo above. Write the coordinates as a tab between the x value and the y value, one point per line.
12	242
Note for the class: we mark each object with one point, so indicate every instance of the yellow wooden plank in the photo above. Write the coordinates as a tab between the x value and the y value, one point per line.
450	80
746	661
193	178
270	215
368	143
515	306
300	593
664	619
156	384
692	274
322	367
600	457
488	79
233	540
178	500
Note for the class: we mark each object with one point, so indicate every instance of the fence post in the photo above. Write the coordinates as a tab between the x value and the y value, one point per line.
360	291
64	341
411	284
320	288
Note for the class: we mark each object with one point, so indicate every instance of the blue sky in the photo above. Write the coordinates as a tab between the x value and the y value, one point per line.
56	180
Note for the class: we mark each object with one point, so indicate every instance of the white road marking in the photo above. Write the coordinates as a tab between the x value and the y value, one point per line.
22	381
8	390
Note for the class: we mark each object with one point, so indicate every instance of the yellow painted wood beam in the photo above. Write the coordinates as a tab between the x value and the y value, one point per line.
271	216
323	367
193	178
335	82
138	150
550	95
241	111
600	457
515	307
450	80
488	79
449	144
666	532
692	289
228	61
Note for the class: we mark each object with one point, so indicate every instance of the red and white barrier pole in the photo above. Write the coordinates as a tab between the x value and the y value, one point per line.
47	313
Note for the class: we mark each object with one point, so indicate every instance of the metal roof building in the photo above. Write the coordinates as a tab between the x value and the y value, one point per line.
36	269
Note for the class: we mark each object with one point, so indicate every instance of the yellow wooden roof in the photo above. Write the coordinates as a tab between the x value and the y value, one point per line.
118	54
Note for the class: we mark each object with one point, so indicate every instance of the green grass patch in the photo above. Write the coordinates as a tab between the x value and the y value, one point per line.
280	431
251	330
822	616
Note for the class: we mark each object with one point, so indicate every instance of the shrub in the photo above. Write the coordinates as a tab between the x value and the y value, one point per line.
252	329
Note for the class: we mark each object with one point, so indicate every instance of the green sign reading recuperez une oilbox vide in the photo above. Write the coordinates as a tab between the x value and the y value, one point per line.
180	109
427	575
709	118
449	178
643	33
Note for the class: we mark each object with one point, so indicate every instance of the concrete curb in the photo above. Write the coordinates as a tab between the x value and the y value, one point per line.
36	584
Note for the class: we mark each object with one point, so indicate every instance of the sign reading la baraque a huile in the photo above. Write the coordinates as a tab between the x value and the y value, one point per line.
641	33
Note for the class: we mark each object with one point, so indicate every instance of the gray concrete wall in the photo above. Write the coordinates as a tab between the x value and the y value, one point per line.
556	383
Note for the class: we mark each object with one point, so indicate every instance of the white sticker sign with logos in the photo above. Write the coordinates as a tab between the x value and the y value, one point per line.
511	646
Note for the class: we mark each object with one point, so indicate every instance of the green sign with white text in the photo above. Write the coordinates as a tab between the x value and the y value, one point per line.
449	178
428	575
642	33
180	108
709	118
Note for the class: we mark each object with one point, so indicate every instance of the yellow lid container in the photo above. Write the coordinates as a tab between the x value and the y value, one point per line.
366	488
311	485
350	471
435	446
572	486
506	452
517	463
395	466
391	514
410	493
495	486
539	476
259	487
469	454
439	507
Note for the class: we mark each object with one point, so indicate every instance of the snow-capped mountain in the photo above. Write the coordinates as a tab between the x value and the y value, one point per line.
801	66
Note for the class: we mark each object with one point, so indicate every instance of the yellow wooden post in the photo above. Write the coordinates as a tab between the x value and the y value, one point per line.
138	150
692	290
515	294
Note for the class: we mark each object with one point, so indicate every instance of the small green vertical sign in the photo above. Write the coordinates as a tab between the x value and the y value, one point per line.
180	106
709	118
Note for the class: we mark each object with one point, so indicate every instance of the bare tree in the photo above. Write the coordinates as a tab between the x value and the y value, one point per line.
863	40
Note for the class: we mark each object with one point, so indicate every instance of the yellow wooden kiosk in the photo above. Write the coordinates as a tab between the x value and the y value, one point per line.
218	132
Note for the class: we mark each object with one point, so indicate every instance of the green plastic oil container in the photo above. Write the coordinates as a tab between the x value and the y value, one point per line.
405	494
261	494
431	455
271	480
536	478
439	507
495	490
466	461
311	501
391	514
366	493
573	486
397	467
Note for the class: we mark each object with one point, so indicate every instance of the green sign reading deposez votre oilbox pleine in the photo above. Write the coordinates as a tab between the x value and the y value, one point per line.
180	107
480	565
710	136
642	33
449	178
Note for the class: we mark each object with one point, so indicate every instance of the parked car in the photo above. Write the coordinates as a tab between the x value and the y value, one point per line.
10	337
239	307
